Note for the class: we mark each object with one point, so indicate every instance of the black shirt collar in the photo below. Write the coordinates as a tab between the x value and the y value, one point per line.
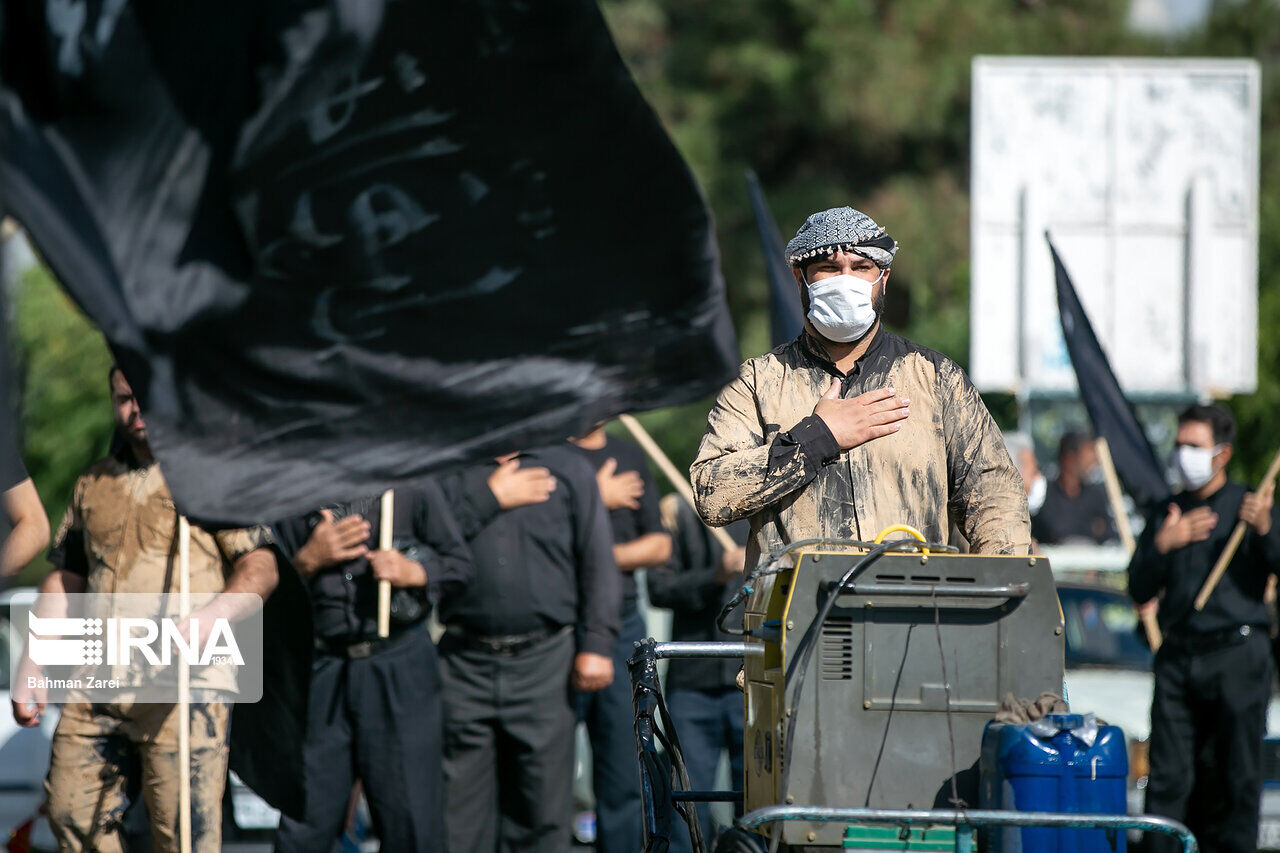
814	349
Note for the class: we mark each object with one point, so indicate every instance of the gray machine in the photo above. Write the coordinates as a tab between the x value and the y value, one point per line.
870	672
910	664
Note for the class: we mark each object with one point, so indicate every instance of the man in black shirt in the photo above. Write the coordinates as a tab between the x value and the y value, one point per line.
1075	504
374	711
702	694
1213	673
639	541
540	618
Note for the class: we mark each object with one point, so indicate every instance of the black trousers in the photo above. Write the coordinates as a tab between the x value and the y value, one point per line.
508	747
376	719
1208	717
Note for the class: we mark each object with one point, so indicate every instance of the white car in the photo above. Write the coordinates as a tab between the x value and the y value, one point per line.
1108	672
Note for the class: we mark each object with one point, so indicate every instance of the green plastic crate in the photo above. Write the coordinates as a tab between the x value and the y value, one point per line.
891	838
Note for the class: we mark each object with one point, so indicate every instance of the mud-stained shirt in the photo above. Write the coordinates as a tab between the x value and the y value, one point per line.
120	533
766	457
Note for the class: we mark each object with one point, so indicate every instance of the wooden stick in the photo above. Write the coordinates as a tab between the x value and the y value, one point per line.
672	473
1112	481
384	544
1237	536
184	691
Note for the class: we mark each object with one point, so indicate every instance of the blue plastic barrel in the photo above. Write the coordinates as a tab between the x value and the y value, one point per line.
1061	763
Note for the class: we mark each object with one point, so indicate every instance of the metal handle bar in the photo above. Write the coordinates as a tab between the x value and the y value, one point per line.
969	818
1011	590
667	651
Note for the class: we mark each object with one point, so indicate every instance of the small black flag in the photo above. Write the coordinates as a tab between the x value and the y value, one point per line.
1111	412
785	317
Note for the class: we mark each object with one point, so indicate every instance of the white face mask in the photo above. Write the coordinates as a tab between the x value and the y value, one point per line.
840	307
1036	493
1195	465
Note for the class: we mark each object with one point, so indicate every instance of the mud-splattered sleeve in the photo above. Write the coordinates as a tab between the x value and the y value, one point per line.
236	542
736	473
68	551
987	499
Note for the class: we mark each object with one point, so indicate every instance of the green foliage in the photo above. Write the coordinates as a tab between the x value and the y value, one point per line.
66	411
866	102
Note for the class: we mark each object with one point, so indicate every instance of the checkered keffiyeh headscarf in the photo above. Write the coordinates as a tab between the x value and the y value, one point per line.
841	229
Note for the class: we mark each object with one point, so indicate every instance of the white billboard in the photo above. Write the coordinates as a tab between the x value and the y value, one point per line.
1145	172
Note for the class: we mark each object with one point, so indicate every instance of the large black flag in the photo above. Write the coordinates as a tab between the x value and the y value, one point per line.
1113	416
785	317
337	245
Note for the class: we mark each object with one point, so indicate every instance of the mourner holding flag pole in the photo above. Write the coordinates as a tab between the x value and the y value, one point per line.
119	535
374	712
850	428
1213	672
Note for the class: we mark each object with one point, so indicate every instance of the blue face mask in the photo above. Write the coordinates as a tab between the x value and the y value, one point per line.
840	307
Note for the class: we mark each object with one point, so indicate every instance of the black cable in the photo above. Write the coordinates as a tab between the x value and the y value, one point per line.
770	566
799	666
653	719
956	802
893	705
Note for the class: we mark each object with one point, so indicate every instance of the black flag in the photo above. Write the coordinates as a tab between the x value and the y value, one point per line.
785	317
1112	415
339	245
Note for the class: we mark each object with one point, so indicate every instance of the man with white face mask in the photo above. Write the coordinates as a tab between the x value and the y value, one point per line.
1213	673
850	428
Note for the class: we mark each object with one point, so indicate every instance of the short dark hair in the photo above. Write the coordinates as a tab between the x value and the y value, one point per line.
1071	442
1217	417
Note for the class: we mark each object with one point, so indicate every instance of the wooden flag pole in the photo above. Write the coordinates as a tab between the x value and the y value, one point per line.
1237	536
384	544
1112	481
671	473
184	690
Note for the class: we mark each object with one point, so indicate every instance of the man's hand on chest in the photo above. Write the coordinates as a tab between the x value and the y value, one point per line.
1180	529
332	542
864	418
